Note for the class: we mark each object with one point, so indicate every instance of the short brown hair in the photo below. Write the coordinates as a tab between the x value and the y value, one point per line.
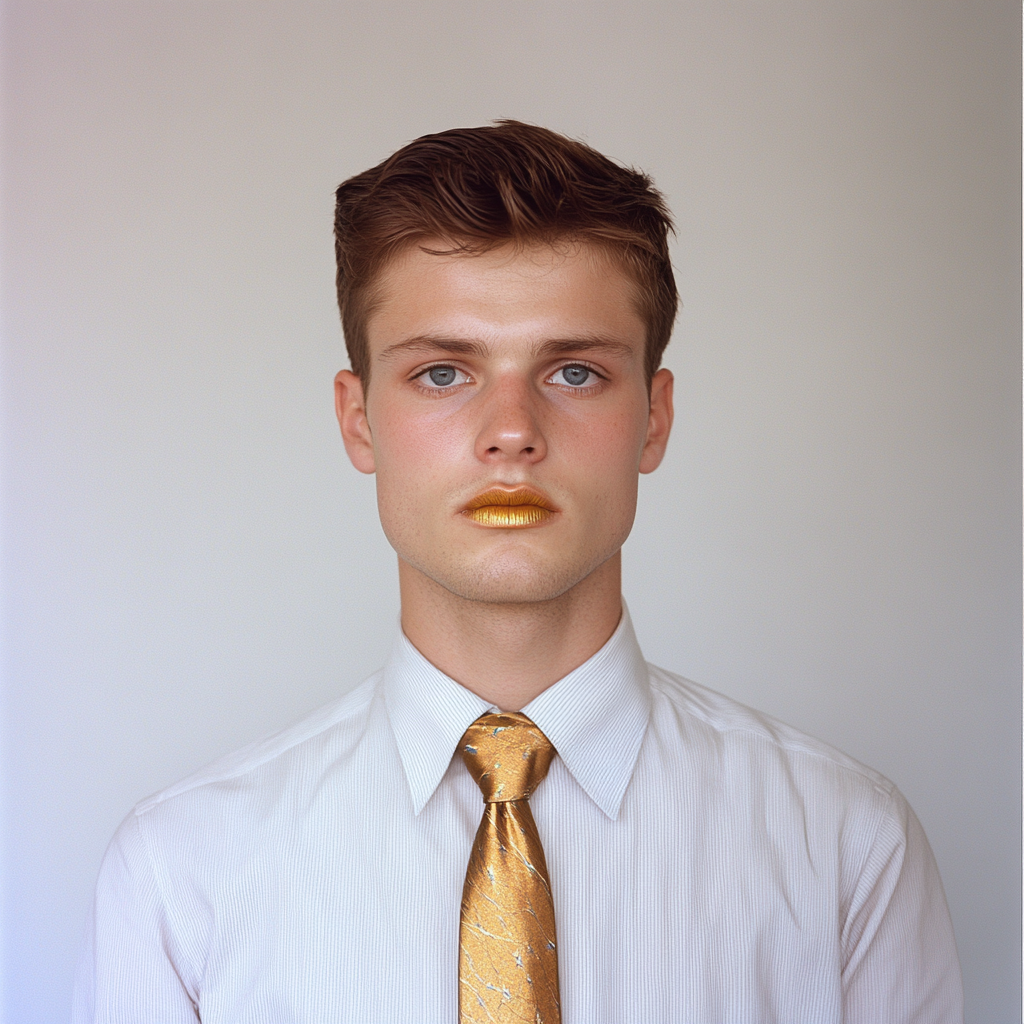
480	188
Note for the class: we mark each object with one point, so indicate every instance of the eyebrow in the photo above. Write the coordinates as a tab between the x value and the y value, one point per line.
462	347
567	346
432	343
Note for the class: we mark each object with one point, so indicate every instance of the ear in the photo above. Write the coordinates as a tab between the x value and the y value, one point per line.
659	421
350	406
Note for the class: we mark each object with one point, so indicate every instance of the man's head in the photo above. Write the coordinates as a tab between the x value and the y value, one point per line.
515	393
471	190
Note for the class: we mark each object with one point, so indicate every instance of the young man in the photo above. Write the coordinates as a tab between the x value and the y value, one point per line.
517	819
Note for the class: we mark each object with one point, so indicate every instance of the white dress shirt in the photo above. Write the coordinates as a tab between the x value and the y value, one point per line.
708	864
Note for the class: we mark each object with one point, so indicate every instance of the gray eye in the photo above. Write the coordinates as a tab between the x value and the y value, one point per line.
441	376
575	375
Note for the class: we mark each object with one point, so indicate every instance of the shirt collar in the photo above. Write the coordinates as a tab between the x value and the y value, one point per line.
596	717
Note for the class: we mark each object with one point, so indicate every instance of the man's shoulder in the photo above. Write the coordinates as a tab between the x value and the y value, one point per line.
705	714
318	740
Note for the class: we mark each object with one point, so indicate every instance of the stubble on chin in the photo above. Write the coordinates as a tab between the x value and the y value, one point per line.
507	579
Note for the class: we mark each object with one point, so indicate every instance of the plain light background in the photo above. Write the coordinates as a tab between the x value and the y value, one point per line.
189	560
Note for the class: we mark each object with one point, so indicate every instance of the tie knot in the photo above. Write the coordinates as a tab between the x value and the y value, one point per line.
507	755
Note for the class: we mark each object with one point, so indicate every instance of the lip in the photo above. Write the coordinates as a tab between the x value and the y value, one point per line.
510	507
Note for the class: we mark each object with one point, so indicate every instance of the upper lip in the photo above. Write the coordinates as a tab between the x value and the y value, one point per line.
519	495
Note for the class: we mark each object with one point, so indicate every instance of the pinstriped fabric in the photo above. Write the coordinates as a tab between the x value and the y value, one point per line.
707	863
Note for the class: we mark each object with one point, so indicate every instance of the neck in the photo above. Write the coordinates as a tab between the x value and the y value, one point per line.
509	653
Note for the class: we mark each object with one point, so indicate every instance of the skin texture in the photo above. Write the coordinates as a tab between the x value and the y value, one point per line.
548	392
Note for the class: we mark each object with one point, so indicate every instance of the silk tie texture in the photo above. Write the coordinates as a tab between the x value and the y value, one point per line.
508	961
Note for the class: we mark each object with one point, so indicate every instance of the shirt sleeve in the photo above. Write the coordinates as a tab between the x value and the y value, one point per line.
128	972
900	960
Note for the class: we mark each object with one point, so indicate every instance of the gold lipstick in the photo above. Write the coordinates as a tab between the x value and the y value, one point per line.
518	506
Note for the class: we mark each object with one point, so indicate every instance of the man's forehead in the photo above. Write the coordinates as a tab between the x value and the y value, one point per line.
539	255
563	297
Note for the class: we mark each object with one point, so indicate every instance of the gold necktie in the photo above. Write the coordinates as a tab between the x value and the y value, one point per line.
508	963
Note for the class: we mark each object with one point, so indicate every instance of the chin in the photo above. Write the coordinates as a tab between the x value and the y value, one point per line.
511	580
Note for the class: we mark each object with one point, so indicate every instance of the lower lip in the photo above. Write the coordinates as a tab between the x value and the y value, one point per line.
509	516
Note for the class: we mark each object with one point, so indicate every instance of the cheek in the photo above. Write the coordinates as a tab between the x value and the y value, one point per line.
412	449
609	447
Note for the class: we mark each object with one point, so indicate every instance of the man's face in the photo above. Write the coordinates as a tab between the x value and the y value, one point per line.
507	417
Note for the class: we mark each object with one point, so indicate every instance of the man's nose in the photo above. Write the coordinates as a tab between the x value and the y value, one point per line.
510	428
